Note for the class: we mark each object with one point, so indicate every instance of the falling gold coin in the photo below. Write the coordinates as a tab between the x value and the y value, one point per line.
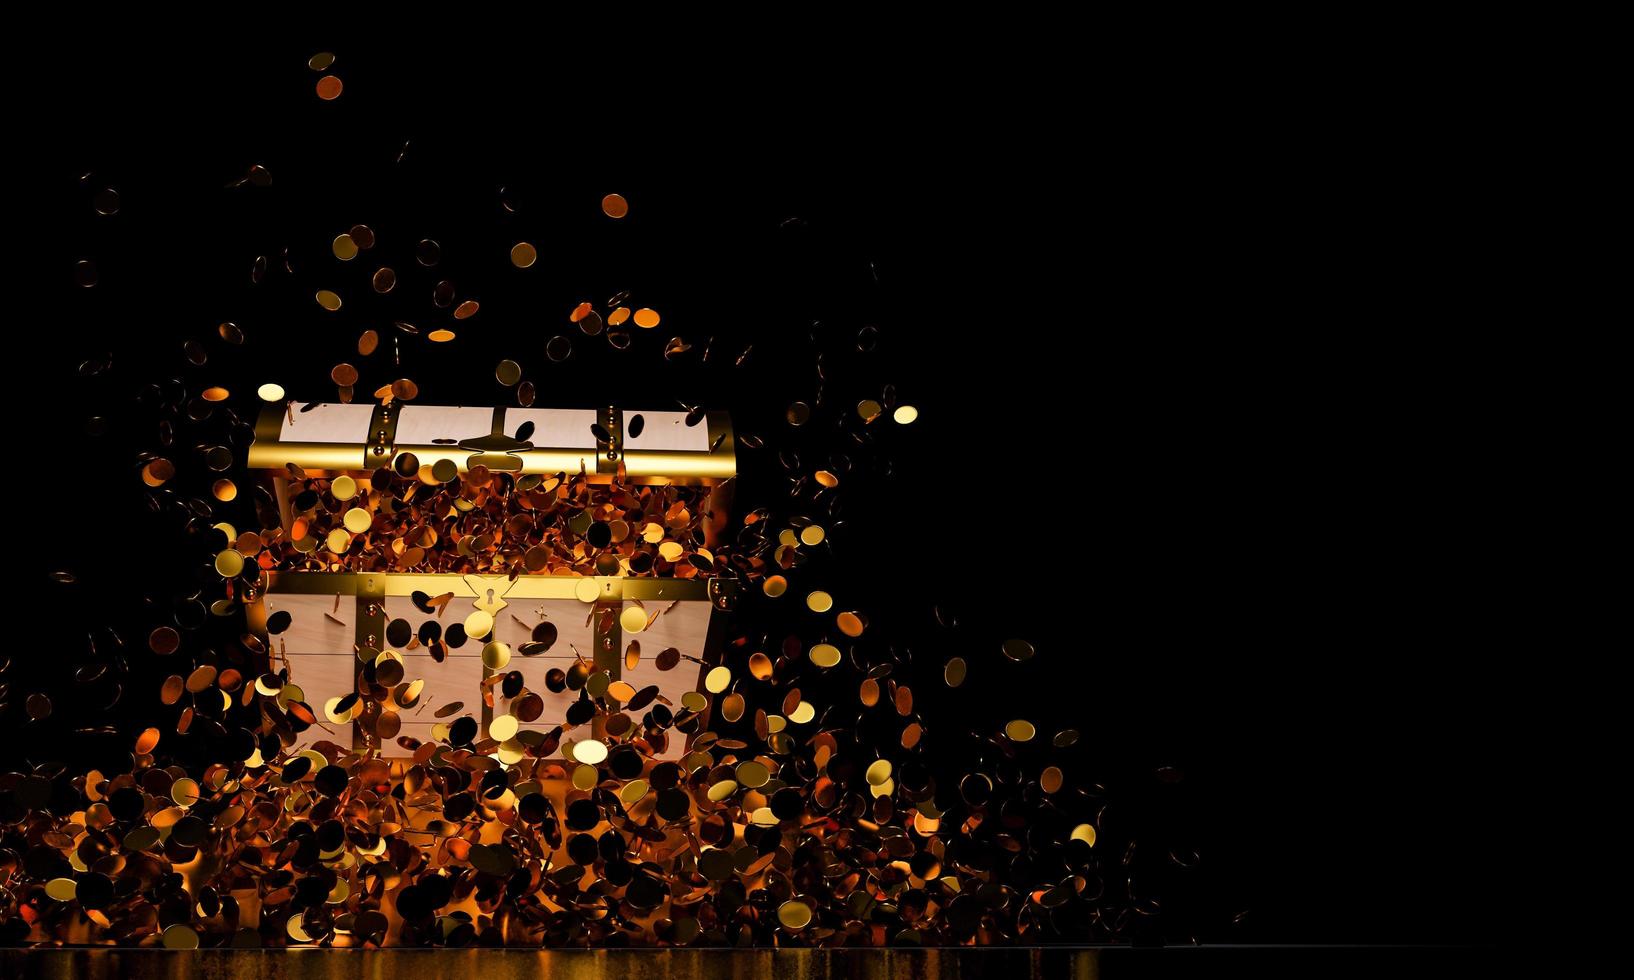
496	655
1020	730
850	624
344	248
321	61
633	619
343	488
819	602
614	206
794	915
954	672
338	540
825	655
878	772
523	255
618	316
270	392
671	550
229	563
183	936
1050	780
1018	649
1084	832
905	414
440	336
478	625
811	535
775	586
589	752
717	680
466	310
503	728
508	373
329	88
646	319
225	490
214	394
329	300
158	472
61	889
357	520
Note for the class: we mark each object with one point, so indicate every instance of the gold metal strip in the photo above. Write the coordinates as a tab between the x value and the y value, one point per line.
466	586
647	466
378	451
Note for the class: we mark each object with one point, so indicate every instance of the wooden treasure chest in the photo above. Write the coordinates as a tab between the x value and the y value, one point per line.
483	564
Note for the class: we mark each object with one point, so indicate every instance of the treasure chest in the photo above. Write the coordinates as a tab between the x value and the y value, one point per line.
491	564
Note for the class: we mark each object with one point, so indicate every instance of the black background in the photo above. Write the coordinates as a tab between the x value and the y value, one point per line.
1163	434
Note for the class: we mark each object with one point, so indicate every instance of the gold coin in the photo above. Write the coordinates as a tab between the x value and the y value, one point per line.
722	790
503	728
670	550
811	535
357	520
384	279
1050	779
328	90
214	394
478	624
954	672
270	392
440	336
338	540
646	319
444	470
328	299
1020	730
225	490
466	310
718	679
1084	832
632	792
775	586
825	655
344	248
633	619
849	623
586	590
584	777
229	563
182	936
523	255
878	772
819	602
869	409
590	752
61	889
343	488
1018	649
185	792
614	206
321	61
752	774
618	316
508	373
905	414
794	915
496	655
802	713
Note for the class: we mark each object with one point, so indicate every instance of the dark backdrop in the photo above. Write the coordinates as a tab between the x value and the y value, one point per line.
1164	435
